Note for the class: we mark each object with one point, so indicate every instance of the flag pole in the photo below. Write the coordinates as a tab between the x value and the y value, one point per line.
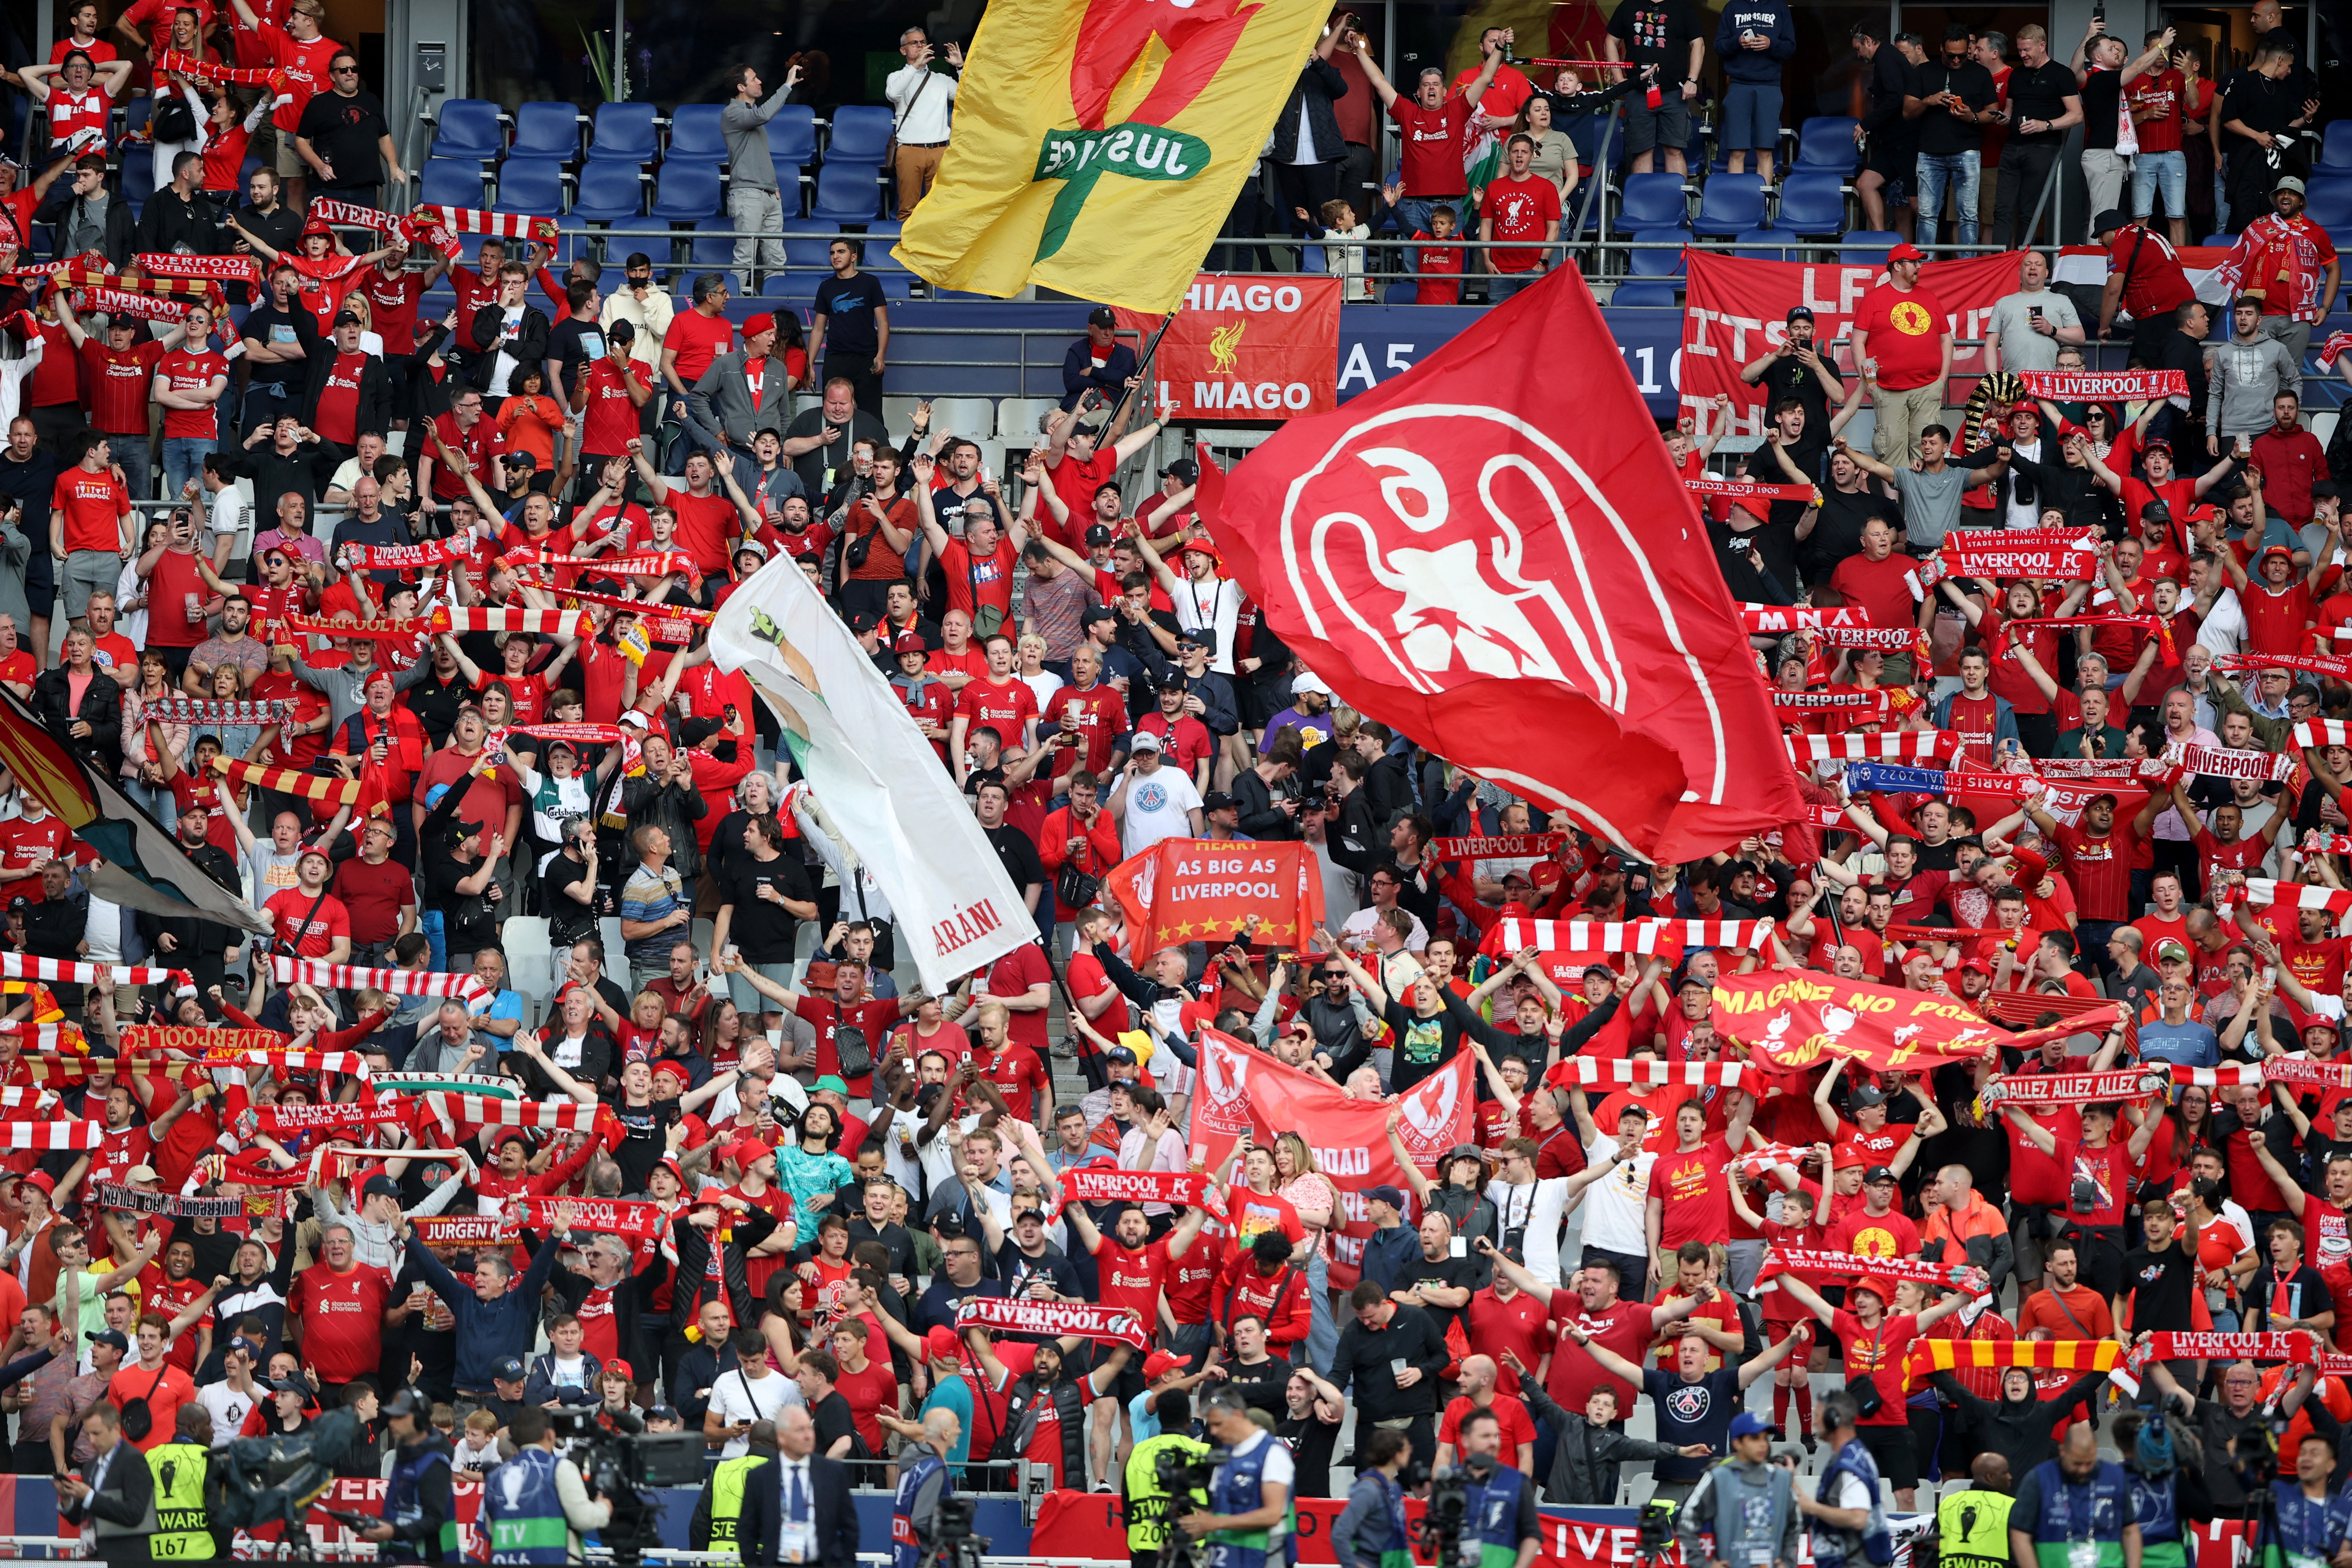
1143	366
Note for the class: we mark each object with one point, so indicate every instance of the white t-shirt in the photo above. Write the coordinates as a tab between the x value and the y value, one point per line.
1615	1206
1279	1469
1852	1493
228	1409
1155	807
736	1398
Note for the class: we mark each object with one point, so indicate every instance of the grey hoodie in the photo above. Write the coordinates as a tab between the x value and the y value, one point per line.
2246	376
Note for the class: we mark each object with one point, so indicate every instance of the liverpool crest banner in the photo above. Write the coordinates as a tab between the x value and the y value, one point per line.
1098	146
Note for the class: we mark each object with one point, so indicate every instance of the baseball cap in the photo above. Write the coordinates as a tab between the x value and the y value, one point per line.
939	1345
1183	468
1157	1362
510	1370
657	1412
139	1173
1218	800
109	1337
290	1384
1097	535
1118	1054
1307	680
2169	949
1098	613
1869	1094
347	318
1905	251
830	1083
1748	1423
864	621
1801	314
245	1346
1385	1194
1102	316
1144	740
1877	1174
1978	965
1207	547
380	1187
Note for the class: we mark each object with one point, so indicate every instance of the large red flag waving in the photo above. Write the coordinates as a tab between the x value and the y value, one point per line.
1493	554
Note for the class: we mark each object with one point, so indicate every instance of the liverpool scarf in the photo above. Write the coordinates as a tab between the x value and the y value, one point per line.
284	971
2111	386
1099	1185
17	966
2075	1088
1515	935
356	1116
1083	1320
1749	490
478	618
52	1134
1855	745
2322	732
290	780
2003	552
216	269
1497	846
160	1039
402	557
2318	842
206	71
217	710
2261	893
415	628
135	1200
481	1110
351	215
462	1230
2221	762
1590	1070
2063	1355
125	302
639	1221
1853	1265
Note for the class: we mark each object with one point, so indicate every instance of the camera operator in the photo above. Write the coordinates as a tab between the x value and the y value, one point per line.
550	1502
922	1482
419	1523
1499	1505
1373	1525
1249	1495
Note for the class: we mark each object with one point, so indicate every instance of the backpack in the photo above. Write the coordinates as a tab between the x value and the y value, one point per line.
173	121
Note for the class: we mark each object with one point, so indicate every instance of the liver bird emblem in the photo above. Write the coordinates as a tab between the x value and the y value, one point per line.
1223	343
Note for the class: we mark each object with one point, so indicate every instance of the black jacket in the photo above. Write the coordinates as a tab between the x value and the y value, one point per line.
761	1527
101	709
1318	85
121	1512
2018	1430
528	348
1262	817
197	938
1363	1364
374	415
670	807
168	222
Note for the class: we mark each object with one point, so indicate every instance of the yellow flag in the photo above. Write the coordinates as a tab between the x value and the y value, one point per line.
1100	146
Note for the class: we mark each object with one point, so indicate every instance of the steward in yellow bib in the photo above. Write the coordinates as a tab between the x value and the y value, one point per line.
1147	1496
181	1468
1973	1525
719	1510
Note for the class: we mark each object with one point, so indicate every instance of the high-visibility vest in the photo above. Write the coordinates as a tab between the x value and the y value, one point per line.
727	1499
182	1531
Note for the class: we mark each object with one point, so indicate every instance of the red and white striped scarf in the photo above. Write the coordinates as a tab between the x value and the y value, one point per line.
284	971
290	780
2271	247
481	1111
1626	1070
2261	893
481	619
19	966
614	601
52	1134
1857	746
1516	935
1757	1164
2323	733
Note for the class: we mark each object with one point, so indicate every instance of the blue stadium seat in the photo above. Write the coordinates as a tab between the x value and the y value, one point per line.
138	174
530	187
1653	201
608	194
686	193
808	245
861	134
694	135
1762	245
470	128
2335	148
1826	141
791	137
2328	203
1867	246
883	231
1654	296
790	286
646	234
2224	240
711	250
1812	201
623	133
1659	263
448	182
1310	260
546	131
901	285
847	193
1730	204
134	114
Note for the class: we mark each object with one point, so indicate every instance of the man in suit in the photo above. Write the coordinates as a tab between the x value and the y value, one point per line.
114	1494
724	411
796	1507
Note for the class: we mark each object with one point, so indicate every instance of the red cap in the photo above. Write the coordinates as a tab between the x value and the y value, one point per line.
1850	1155
617	1364
42	1179
1905	251
1159	1362
1201	547
753	326
909	642
1545	874
940	1343
745	1151
1877	1285
673	1069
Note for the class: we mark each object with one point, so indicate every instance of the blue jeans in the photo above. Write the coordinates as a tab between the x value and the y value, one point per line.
137	461
1958	172
1501	286
159	804
265	402
2164	173
1322	1333
183	459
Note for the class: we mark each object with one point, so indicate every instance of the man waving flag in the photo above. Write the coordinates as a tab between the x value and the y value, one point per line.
1493	554
1099	146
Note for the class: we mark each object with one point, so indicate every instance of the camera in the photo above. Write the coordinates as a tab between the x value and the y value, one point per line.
1655	1540
952	1541
1184	1487
625	1466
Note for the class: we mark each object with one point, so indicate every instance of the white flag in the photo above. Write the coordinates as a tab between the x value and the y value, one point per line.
876	777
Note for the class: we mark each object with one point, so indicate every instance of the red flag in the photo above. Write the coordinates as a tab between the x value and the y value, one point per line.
1493	554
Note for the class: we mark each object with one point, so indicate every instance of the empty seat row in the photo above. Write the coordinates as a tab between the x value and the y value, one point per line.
475	129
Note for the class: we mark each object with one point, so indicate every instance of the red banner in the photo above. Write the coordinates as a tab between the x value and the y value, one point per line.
1465	546
1795	1019
1736	309
1242	1090
1247	349
2003	552
1201	889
